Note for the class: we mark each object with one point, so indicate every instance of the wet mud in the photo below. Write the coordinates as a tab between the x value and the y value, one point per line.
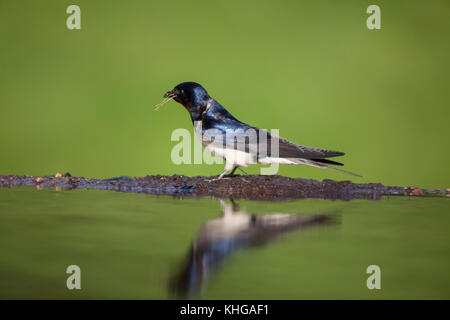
249	187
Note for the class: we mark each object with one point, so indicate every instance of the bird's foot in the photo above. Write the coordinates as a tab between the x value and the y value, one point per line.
231	175
227	176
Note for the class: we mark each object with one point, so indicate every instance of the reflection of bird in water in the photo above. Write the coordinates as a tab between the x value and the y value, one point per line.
233	230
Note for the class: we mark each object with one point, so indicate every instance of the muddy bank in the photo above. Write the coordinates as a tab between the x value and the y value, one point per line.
250	187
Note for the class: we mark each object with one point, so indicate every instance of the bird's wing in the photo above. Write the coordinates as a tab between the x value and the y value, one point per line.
288	149
257	141
222	129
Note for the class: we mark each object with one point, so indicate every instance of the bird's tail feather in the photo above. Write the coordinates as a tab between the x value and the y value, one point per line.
322	165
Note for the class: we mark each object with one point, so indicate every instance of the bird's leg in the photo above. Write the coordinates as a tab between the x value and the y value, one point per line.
227	210
223	174
242	170
232	171
231	174
220	176
227	169
235	206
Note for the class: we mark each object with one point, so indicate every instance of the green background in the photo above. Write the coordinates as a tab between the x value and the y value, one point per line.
81	100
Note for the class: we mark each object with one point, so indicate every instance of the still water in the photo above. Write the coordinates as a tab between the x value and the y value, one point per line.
137	246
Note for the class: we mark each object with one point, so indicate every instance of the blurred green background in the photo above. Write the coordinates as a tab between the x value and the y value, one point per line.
82	100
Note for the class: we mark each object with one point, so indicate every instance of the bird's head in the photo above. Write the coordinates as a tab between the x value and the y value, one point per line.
192	96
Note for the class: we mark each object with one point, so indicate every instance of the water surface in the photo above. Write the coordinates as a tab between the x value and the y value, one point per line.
137	246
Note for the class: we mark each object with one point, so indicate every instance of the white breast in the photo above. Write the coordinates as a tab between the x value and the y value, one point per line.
232	157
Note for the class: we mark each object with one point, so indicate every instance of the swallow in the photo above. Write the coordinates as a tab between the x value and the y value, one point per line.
241	144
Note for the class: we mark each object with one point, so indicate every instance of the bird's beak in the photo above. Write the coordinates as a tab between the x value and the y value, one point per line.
169	94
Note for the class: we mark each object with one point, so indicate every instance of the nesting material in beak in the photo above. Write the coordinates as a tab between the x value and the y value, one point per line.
169	95
165	100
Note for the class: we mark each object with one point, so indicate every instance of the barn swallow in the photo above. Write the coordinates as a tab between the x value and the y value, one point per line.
241	144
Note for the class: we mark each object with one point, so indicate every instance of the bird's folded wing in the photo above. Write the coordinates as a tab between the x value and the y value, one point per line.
261	142
288	149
